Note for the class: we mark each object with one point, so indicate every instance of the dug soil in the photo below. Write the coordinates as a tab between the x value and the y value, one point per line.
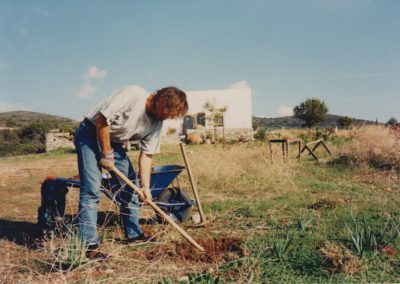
217	250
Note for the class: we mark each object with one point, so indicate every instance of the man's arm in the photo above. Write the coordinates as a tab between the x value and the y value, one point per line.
103	135
145	161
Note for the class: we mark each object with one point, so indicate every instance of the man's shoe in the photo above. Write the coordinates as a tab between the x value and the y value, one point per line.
93	252
142	238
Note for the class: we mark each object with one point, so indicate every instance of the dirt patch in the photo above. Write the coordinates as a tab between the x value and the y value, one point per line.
328	202
221	249
340	259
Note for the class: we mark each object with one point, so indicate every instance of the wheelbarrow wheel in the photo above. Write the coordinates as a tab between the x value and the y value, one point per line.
174	197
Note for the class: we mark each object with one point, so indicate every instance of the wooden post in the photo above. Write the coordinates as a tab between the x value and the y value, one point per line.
215	136
223	135
287	149
299	154
270	149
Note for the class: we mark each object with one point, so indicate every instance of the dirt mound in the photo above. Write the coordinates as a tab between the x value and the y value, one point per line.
216	250
338	258
328	202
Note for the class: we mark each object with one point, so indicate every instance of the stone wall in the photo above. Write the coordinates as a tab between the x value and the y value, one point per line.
56	140
231	135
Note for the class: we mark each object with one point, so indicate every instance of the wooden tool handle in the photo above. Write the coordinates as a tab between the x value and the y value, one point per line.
157	209
193	184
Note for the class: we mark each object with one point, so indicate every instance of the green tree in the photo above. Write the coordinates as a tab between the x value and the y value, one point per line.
345	121
312	111
392	121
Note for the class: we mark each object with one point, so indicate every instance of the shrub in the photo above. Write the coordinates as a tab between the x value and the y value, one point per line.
260	134
374	146
325	133
171	130
345	122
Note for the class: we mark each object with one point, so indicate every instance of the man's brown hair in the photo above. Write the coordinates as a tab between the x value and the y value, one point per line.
169	102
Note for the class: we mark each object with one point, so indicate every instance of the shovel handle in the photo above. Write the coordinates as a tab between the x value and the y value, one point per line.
157	209
193	184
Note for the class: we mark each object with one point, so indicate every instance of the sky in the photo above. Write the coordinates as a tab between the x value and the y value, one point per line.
63	57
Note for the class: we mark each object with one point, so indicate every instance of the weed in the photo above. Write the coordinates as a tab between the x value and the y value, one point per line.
203	279
368	242
260	134
165	280
303	224
193	278
71	252
281	246
246	212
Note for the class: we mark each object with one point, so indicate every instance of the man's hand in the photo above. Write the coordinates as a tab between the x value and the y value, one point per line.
107	160
103	135
146	194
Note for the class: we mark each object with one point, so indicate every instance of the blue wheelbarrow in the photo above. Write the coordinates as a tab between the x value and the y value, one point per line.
166	194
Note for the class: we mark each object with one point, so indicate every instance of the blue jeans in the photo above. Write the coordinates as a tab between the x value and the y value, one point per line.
88	150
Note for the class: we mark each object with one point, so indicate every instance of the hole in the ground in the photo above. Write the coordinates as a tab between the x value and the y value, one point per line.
220	249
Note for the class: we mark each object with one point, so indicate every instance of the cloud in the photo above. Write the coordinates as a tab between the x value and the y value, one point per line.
94	73
285	110
88	87
12	107
240	85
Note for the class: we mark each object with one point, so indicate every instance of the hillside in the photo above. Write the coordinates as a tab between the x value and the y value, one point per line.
292	122
17	119
23	132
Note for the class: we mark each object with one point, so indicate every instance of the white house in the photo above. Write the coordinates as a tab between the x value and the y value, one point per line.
236	119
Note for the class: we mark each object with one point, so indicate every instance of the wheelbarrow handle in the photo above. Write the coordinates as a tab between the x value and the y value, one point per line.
157	209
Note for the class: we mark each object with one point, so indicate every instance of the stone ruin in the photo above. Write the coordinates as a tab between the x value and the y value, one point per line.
57	140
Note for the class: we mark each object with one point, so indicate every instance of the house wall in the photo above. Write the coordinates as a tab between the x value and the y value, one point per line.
237	100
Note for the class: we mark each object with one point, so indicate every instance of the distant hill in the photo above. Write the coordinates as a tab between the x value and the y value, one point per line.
24	132
292	122
18	119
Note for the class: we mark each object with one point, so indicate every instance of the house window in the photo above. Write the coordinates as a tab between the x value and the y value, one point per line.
188	122
219	120
201	118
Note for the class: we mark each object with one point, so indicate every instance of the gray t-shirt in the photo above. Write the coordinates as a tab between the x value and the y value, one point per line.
125	111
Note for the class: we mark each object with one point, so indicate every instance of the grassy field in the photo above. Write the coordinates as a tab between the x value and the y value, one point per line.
269	221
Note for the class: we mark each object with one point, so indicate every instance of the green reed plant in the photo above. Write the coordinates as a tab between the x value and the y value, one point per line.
281	246
367	241
304	223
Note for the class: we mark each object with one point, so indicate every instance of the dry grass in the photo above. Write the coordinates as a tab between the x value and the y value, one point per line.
339	258
375	146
